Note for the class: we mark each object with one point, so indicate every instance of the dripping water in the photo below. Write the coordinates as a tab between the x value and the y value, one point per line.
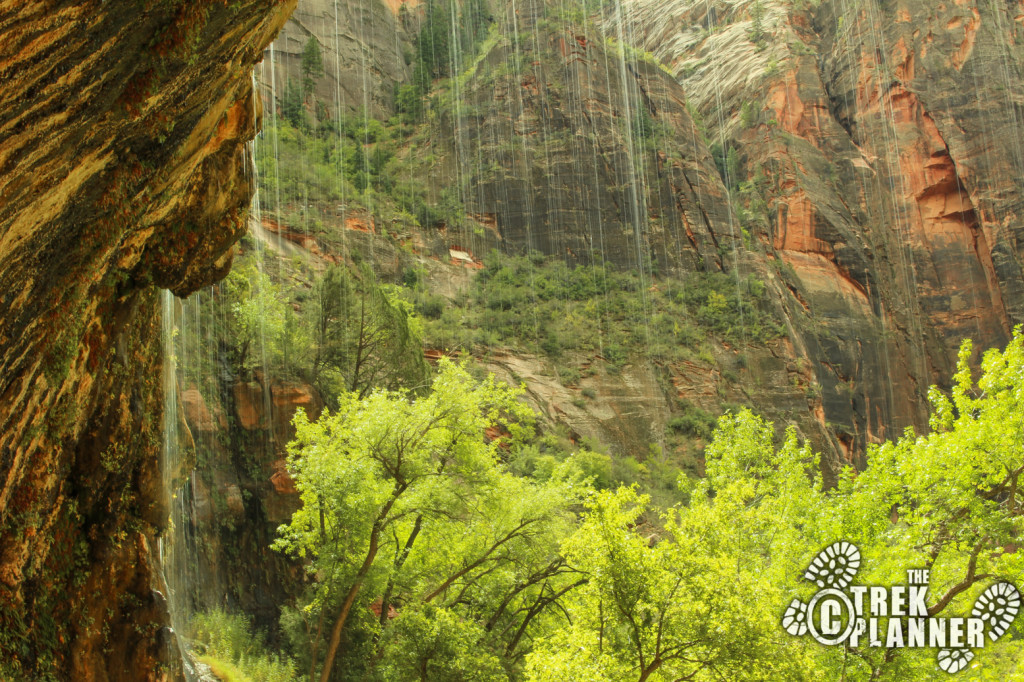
174	548
191	359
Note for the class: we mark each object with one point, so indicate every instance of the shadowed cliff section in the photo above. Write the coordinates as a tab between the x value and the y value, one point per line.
123	168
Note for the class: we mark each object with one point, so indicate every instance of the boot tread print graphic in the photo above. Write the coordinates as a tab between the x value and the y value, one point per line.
997	606
834	566
794	621
954	660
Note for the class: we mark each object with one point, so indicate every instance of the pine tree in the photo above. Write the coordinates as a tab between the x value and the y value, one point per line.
756	32
433	47
312	65
292	105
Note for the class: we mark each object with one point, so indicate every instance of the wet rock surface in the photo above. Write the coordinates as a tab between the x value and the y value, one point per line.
123	167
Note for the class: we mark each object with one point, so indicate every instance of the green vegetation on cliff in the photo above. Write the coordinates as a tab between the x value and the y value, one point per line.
340	330
544	305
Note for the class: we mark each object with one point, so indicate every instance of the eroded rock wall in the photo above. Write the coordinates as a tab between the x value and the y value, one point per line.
242	492
554	136
123	168
881	140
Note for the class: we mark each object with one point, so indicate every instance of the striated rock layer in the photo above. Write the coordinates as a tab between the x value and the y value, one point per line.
123	168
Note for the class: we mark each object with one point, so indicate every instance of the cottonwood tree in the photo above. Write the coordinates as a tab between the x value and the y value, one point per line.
658	608
407	508
948	501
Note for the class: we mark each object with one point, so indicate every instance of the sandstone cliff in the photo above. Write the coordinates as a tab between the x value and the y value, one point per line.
123	168
878	139
832	151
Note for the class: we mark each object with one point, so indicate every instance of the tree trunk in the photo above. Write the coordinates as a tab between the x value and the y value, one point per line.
649	670
346	607
385	601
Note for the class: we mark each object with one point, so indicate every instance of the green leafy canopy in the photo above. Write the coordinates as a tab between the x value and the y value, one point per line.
464	571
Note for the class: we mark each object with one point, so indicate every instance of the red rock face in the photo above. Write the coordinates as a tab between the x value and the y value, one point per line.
281	480
884	140
287	397
198	415
243	491
948	236
945	170
249	404
122	165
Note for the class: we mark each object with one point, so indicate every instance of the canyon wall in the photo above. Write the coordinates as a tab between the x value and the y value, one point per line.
865	154
854	158
881	140
123	168
857	158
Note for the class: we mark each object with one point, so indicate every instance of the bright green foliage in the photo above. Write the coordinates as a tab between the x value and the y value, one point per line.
949	500
406	504
689	603
292	106
475	573
946	501
701	595
258	313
